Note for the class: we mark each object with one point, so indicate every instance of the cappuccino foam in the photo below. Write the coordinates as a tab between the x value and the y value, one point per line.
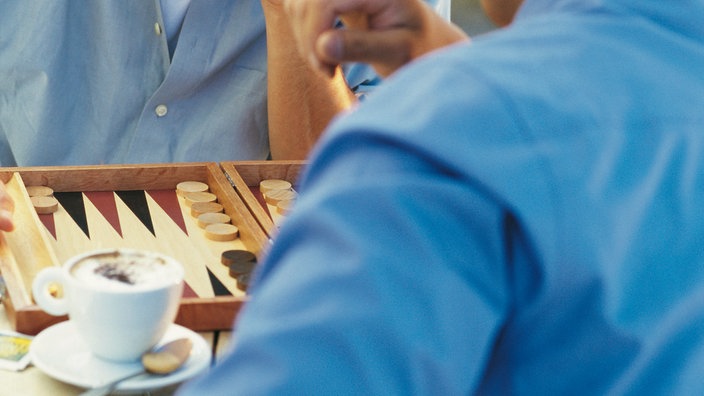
120	270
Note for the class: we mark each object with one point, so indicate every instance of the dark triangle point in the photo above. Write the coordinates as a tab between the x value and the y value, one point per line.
73	203
136	201
218	288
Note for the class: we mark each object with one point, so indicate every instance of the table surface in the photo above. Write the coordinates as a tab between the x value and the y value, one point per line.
32	381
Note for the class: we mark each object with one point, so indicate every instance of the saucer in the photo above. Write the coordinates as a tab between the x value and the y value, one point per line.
61	354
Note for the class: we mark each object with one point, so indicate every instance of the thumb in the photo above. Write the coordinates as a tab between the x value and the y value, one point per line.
7	207
385	50
6	223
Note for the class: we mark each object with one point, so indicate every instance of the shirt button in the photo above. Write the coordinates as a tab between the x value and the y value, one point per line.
161	110
157	29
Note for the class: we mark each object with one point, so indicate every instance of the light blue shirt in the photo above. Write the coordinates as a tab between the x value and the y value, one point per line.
520	215
172	13
91	82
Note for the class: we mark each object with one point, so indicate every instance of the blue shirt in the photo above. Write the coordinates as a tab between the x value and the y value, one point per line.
92	82
526	219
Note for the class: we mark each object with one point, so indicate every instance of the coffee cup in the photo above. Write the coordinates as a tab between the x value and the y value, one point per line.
121	301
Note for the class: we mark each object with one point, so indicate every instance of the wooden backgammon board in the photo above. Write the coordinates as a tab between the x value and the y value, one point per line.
135	206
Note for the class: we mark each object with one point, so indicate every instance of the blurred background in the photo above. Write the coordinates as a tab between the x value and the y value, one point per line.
469	16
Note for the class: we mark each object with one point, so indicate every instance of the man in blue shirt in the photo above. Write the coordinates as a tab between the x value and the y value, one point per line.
135	81
521	215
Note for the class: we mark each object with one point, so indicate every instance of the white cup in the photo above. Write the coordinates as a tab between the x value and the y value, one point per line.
121	301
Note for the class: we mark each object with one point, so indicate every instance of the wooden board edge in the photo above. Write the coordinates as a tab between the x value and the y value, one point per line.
252	236
110	177
35	247
197	314
31	320
252	172
247	174
209	315
250	200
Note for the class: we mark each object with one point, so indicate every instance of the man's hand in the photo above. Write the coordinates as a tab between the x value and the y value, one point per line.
384	33
7	207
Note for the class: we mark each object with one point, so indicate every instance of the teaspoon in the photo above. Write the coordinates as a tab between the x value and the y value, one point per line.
163	360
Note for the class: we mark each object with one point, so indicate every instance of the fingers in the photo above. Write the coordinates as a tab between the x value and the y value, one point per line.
355	20
7	208
384	33
385	50
393	37
311	18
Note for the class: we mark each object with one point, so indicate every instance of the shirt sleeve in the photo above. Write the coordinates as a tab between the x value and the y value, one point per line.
391	274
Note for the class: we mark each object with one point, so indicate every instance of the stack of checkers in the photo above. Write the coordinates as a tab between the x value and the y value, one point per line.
43	200
241	264
207	211
278	193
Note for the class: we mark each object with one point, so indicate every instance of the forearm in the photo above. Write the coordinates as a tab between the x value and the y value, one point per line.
301	101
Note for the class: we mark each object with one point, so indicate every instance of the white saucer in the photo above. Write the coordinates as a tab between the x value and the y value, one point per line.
60	353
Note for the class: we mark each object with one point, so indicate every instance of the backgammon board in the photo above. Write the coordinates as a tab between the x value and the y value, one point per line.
133	206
